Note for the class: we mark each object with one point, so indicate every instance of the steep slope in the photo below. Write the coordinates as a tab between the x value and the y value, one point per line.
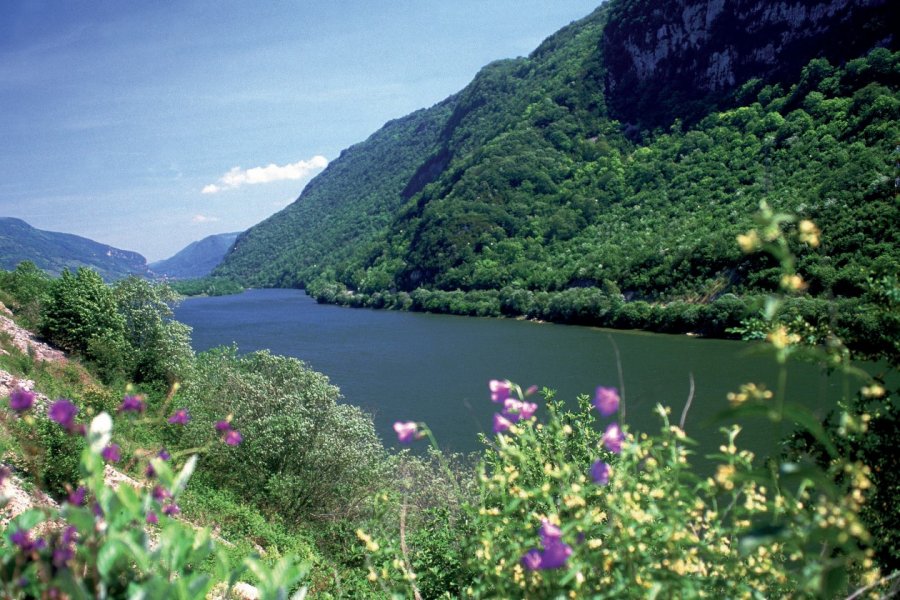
682	58
532	199
197	259
54	252
348	205
341	209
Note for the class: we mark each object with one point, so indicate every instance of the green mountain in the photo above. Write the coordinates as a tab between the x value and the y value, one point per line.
52	252
197	259
605	177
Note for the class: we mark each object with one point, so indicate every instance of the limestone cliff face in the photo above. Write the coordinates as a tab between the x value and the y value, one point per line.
665	57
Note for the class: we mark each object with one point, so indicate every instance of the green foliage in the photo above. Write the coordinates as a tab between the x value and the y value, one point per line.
25	288
206	286
121	543
125	331
160	346
81	316
51	456
306	455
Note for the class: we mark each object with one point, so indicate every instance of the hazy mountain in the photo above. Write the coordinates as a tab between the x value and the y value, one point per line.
53	252
197	259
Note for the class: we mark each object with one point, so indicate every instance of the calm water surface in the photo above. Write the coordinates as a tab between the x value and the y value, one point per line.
435	368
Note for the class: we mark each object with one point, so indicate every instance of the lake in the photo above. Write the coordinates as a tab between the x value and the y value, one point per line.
403	366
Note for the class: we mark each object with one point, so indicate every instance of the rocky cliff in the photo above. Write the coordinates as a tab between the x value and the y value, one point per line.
671	54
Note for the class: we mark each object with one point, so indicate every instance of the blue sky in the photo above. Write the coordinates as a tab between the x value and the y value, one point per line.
148	125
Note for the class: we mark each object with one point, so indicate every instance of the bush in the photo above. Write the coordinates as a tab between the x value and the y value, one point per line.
307	456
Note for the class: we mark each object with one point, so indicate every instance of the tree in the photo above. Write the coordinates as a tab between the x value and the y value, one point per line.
81	308
161	349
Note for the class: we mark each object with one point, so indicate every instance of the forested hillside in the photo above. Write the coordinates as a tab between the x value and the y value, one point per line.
53	252
522	195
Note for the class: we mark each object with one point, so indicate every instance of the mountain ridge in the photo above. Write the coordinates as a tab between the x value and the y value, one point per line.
54	251
197	259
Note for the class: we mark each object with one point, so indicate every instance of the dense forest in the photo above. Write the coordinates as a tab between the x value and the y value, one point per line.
521	195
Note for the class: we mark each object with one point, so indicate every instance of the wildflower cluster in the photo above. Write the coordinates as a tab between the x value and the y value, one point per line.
514	409
554	520
116	540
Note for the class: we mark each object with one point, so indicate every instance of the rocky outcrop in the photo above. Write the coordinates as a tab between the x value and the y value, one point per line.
24	340
677	54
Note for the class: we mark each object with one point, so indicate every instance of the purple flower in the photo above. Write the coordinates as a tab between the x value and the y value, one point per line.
532	560
606	400
223	426
515	410
501	423
76	498
233	438
21	399
180	417
152	519
63	412
613	438
555	552
22	539
66	550
70	535
62	555
407	431
600	472
150	472
160	493
171	510
132	404
111	453
499	389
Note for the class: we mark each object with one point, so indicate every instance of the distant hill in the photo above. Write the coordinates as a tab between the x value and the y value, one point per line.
53	252
197	259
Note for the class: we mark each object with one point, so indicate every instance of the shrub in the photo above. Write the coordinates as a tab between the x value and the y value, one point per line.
307	456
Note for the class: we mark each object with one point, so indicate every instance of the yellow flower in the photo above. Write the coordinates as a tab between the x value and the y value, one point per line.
724	473
749	242
780	338
371	545
809	233
873	391
792	283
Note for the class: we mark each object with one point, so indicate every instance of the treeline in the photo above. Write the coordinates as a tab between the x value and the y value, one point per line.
870	324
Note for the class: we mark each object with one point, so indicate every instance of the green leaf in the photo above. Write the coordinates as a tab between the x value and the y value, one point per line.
28	519
186	471
108	556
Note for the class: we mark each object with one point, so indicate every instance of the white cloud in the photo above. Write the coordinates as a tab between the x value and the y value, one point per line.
237	176
204	219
